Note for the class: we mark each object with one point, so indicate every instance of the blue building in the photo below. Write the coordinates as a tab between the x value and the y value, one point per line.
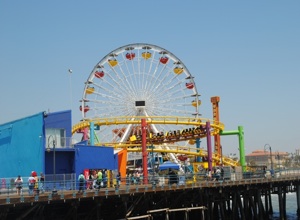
38	142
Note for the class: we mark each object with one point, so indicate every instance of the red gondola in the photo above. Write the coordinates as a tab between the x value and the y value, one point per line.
164	60
189	85
99	74
85	109
130	56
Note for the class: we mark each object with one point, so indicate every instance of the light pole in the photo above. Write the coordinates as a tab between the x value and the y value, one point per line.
292	159
52	140
70	73
278	158
270	148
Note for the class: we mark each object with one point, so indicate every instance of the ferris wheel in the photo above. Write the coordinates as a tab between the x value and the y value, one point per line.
138	80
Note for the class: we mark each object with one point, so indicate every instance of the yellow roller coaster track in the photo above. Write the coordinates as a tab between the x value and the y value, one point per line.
171	120
216	127
192	151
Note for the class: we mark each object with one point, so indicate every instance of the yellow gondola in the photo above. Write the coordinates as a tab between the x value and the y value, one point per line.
146	55
112	63
90	90
194	103
178	70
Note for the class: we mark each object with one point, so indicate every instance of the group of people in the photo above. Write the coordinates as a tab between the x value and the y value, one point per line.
96	179
134	178
218	174
33	184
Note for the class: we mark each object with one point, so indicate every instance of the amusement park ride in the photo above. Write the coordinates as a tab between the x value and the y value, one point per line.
142	98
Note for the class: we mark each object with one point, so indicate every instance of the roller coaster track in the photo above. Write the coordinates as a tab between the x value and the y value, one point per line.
216	128
191	151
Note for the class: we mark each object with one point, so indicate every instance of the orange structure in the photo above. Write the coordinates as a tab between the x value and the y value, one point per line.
122	162
216	117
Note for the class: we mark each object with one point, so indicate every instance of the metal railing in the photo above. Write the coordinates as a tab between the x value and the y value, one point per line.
62	182
69	182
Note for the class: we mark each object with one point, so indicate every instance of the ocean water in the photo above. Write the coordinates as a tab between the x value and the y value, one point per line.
291	207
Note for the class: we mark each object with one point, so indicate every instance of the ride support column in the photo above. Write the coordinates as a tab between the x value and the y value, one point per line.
242	148
209	151
92	138
144	150
240	133
198	141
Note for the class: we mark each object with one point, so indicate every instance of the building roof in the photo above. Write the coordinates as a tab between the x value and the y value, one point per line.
266	153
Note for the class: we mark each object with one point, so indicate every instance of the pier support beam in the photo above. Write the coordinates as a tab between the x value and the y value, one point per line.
261	210
298	199
247	208
282	202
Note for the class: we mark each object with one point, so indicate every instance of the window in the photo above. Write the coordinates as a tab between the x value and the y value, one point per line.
55	134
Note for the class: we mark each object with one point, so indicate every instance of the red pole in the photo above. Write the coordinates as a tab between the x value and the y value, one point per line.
144	150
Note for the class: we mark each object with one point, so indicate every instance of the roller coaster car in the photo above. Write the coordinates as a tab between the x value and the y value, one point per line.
187	132
200	130
183	132
172	136
197	130
153	136
169	134
162	136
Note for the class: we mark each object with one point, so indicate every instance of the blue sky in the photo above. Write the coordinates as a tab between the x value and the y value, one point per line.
246	52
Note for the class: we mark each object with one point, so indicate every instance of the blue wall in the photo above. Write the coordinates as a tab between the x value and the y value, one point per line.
93	157
21	146
64	162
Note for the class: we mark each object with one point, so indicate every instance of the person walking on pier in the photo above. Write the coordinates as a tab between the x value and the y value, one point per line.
217	174
36	183
118	179
208	175
104	178
81	180
31	182
42	181
19	183
222	173
99	179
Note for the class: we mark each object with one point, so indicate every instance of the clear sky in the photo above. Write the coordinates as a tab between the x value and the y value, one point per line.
246	52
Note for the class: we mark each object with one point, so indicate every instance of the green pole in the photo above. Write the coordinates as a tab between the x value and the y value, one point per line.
235	132
242	148
240	133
